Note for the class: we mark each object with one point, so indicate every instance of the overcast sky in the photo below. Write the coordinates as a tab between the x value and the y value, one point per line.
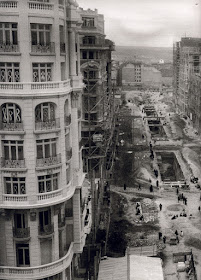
148	22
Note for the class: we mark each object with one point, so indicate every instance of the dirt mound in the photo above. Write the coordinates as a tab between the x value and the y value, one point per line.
175	207
193	242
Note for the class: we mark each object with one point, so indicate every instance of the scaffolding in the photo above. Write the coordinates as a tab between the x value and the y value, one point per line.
98	110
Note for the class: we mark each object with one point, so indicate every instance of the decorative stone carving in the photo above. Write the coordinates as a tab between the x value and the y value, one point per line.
33	215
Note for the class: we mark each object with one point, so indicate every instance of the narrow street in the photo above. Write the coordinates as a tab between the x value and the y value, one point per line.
176	138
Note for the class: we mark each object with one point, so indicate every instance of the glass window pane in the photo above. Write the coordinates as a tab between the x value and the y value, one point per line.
8	188
14	34
39	151
33	37
6	152
20	152
54	149
13	152
7	35
41	38
27	261
20	256
47	151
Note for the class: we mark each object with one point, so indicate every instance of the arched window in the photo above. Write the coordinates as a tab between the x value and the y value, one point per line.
45	112
11	113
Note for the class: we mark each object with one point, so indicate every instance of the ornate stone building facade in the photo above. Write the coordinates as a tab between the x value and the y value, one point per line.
45	207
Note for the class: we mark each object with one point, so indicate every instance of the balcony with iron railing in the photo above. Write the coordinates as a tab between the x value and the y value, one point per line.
12	163
50	161
68	154
38	272
67	120
43	49
21	232
11	126
9	48
48	125
46	230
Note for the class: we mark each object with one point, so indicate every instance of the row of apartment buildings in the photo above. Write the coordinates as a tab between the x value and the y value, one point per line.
187	79
139	75
56	91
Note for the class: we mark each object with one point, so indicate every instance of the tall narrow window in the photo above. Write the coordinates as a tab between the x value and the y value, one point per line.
22	251
46	148
11	113
13	150
40	34
8	33
45	112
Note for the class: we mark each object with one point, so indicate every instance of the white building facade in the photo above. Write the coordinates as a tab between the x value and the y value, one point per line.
44	197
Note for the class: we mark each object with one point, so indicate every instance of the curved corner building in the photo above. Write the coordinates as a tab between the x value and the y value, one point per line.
44	198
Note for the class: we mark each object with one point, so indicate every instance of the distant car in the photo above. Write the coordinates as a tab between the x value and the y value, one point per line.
193	179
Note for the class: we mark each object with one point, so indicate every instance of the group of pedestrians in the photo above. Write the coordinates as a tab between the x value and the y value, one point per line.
181	197
162	237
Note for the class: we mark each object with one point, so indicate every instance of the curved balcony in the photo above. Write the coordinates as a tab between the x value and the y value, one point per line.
11	126
48	125
30	89
21	232
49	195
38	272
14	199
48	162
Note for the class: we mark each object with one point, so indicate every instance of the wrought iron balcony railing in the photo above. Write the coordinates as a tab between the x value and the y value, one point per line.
49	48
67	120
11	126
5	47
21	232
12	163
48	125
42	162
46	229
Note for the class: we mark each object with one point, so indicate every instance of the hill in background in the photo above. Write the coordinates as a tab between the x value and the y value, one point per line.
145	54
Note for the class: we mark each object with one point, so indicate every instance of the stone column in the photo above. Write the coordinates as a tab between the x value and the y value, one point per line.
74	125
72	53
55	251
34	241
